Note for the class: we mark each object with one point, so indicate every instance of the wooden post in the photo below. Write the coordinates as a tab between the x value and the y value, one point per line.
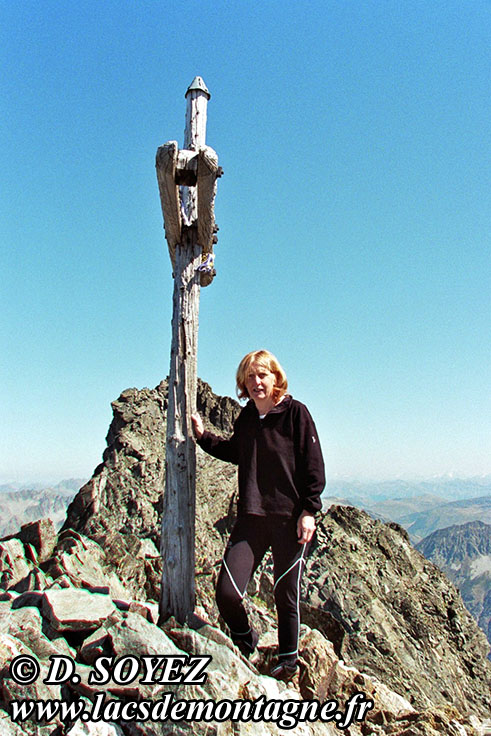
179	178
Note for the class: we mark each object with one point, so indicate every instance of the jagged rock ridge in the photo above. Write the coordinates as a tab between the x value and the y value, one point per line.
122	502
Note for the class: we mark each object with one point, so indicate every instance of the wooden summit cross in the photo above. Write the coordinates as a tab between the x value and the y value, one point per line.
187	185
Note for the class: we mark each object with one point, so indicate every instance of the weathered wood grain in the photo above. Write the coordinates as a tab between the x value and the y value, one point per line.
178	519
207	188
194	140
166	166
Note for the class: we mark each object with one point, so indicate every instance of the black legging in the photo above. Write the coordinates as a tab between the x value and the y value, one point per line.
249	541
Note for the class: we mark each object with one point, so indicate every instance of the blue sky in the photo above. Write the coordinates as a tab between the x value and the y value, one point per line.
353	214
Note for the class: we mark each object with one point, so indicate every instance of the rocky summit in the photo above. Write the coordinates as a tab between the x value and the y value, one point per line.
382	628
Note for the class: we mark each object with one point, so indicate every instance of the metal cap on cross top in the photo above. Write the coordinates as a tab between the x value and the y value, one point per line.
198	85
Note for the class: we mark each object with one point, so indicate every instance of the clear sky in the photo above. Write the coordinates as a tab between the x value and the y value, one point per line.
353	213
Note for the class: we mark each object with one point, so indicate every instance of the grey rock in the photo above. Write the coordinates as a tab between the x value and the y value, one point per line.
26	625
125	555
148	549
27	728
13	564
134	457
75	610
41	535
128	636
8	727
35	580
82	563
403	622
225	660
127	633
149	611
229	676
11	647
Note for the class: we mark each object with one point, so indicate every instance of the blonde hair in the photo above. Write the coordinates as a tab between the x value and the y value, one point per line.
263	359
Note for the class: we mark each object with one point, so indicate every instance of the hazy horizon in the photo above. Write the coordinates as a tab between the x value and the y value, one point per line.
52	481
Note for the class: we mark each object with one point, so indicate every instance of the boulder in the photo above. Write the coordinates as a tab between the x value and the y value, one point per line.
35	580
128	557
83	564
13	564
41	535
11	647
149	611
127	633
229	676
27	728
26	625
75	610
8	727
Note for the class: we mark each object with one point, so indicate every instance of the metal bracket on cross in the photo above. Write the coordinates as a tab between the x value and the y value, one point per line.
187	181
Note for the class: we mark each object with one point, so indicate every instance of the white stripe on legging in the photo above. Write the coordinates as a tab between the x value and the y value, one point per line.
300	559
241	595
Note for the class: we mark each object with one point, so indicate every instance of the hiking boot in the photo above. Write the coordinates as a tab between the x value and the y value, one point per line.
284	670
247	644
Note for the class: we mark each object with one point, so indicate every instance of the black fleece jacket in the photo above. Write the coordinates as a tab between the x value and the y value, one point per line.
281	469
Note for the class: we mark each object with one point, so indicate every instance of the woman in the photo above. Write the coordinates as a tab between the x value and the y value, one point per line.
281	478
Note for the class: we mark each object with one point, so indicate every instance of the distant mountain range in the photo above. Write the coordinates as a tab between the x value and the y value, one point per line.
463	553
366	493
69	485
422	515
22	503
421	507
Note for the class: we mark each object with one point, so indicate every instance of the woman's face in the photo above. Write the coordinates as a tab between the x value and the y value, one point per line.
260	382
